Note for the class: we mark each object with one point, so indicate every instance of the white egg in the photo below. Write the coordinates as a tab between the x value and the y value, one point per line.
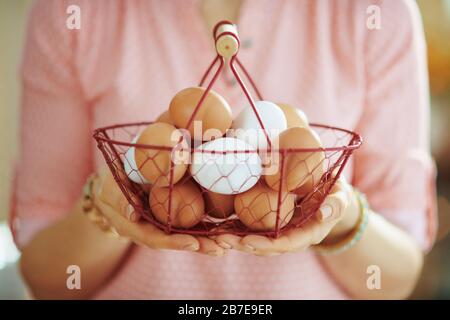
226	173
247	127
130	167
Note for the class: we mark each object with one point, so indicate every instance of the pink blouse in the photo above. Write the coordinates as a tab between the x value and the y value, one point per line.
130	57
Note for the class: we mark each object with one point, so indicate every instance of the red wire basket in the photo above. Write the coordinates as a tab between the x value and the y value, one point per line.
184	206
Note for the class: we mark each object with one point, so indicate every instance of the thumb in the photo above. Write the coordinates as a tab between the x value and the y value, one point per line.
108	192
334	204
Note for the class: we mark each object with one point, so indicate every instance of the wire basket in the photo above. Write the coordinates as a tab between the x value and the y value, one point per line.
184	206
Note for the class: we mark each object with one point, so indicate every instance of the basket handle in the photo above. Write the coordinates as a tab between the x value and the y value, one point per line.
227	40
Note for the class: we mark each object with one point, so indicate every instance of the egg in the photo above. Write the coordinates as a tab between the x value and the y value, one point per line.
219	205
226	166
312	181
294	116
312	201
212	119
164	117
130	167
247	127
187	207
298	165
154	165
257	208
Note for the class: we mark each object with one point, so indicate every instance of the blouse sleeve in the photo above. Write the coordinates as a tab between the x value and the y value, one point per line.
55	135
394	167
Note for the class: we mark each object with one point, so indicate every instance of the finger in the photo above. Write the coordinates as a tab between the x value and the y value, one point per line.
231	241
210	247
312	232
129	211
227	241
151	236
334	204
110	213
122	224
124	210
107	191
107	188
298	238
265	245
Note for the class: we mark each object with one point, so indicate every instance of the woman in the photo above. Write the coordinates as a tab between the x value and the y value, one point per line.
127	61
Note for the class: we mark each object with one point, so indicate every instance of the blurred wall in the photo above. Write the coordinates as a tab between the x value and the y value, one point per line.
13	15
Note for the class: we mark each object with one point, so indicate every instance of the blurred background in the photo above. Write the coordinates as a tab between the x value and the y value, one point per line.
435	280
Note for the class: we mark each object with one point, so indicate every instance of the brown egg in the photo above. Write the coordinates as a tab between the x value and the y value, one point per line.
187	205
155	164
214	113
219	205
294	116
312	201
313	180
257	208
164	117
298	165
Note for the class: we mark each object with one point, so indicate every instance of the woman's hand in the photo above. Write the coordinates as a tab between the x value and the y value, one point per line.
120	215
335	218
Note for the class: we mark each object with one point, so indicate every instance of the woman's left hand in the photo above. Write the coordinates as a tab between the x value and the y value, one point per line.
337	215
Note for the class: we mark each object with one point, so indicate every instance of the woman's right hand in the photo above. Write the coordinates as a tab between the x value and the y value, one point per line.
122	217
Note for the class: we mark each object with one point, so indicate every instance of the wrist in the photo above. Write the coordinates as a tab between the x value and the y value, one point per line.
354	235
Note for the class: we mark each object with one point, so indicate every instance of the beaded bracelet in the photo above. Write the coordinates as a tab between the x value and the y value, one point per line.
354	236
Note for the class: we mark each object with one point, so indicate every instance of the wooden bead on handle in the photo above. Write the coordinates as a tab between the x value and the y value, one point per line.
226	44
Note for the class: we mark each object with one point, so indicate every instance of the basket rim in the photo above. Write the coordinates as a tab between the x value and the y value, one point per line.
355	142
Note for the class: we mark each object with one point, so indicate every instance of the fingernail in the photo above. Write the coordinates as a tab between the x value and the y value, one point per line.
191	247
129	211
251	248
213	253
326	211
224	245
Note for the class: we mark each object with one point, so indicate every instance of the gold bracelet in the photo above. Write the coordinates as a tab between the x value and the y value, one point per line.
354	236
92	212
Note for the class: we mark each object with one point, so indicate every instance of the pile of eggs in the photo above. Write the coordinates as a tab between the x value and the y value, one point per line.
235	170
